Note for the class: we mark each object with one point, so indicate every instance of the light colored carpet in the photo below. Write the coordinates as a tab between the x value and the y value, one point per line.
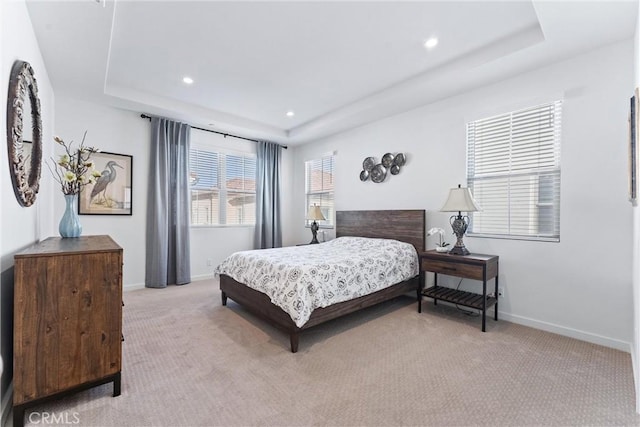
188	361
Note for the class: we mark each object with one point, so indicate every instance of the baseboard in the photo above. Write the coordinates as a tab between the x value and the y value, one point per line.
136	286
521	320
133	287
567	332
636	382
6	404
201	277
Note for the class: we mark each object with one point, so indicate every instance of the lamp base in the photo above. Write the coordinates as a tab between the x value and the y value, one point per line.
459	250
459	224
314	232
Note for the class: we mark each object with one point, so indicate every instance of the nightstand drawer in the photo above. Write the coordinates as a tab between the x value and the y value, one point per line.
467	271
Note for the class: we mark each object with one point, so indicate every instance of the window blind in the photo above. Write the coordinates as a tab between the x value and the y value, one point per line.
513	171
205	188
319	175
241	189
223	189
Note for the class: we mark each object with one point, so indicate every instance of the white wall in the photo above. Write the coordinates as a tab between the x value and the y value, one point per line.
115	131
19	226
580	286
22	226
121	131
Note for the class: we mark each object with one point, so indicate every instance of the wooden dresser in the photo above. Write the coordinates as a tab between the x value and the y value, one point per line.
67	319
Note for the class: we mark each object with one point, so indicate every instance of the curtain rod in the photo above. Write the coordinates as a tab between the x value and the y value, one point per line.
144	116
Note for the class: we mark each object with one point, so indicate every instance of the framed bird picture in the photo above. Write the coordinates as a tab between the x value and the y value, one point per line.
110	193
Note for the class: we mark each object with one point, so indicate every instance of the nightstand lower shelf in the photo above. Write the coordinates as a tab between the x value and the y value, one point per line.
467	299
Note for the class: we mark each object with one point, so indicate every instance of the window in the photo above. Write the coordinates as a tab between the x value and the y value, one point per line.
513	171
319	188
223	188
205	190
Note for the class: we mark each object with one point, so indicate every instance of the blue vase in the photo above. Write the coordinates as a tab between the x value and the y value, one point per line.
70	223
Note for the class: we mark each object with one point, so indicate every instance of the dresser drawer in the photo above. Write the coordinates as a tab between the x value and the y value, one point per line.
467	271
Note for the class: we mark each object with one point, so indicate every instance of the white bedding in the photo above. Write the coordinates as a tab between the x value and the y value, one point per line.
300	279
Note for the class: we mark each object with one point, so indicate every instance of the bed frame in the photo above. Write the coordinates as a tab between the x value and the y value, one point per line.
404	225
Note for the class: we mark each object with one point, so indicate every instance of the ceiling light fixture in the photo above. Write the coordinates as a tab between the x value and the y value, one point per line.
290	114
187	80
431	43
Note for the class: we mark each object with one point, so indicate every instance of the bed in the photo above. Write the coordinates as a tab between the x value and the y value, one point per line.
403	225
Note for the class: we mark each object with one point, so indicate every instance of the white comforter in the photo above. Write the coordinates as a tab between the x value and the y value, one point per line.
300	279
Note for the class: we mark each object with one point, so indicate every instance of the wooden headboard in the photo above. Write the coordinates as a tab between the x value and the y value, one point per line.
404	225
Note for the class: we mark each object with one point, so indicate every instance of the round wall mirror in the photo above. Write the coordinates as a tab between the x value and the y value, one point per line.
24	133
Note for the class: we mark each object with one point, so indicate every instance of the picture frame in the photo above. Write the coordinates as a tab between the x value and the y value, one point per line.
111	194
634	129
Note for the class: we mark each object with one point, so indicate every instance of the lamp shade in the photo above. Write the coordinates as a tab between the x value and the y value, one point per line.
315	213
460	200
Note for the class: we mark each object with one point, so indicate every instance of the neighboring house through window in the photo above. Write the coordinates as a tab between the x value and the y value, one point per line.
319	188
223	187
513	171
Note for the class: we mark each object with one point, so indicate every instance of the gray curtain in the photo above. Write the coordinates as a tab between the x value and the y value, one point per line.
168	254
268	233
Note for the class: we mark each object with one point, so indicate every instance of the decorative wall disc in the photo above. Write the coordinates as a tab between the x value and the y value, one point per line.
387	160
378	173
368	164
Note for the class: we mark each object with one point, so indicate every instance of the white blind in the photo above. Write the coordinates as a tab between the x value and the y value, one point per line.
513	171
240	183
223	190
319	187
205	187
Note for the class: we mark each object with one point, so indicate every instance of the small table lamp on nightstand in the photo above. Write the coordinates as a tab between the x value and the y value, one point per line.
460	200
315	214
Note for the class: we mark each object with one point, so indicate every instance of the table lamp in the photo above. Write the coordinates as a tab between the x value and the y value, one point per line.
314	214
460	200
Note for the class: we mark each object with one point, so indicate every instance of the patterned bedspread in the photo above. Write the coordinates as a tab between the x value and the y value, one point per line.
300	279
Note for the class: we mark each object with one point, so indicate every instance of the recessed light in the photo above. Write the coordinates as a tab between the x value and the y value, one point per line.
431	43
290	114
187	80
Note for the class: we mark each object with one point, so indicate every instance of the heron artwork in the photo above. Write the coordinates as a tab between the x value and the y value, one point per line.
100	188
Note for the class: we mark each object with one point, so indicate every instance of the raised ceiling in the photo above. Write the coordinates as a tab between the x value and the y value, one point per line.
336	64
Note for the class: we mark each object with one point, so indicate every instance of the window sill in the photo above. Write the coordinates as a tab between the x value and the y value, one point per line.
222	226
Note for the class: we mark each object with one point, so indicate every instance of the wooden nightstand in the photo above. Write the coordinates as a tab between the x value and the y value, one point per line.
472	266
